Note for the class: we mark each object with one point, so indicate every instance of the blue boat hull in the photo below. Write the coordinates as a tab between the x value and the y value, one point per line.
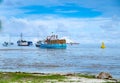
59	46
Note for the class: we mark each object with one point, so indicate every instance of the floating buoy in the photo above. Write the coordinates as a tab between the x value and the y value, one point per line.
103	45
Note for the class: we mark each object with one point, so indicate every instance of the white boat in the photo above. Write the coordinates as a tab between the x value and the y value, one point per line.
22	42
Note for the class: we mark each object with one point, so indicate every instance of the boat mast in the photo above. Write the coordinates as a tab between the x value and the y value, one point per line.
21	36
9	39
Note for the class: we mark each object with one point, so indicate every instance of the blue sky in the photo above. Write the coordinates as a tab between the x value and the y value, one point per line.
76	20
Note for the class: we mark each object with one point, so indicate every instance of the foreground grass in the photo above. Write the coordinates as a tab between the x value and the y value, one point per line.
28	78
21	77
86	75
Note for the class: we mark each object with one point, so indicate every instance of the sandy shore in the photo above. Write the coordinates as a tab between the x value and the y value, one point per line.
75	78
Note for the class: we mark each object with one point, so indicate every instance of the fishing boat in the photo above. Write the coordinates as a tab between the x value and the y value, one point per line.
22	42
53	42
103	45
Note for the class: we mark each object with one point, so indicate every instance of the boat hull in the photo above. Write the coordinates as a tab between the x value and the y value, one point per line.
24	43
59	46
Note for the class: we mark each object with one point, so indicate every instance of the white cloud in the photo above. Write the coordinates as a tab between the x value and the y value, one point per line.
76	29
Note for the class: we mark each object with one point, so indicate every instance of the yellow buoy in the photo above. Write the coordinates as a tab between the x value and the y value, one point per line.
103	45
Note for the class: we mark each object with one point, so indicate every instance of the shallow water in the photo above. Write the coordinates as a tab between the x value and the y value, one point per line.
82	58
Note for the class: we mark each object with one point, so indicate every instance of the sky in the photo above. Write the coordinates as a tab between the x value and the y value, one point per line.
83	21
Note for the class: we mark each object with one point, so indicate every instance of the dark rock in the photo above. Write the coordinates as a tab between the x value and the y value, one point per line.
69	74
104	75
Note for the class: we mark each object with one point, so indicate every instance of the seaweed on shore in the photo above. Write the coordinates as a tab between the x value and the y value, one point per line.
21	77
86	75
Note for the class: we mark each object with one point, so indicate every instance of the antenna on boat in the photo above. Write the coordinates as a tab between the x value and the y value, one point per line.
21	36
52	33
9	38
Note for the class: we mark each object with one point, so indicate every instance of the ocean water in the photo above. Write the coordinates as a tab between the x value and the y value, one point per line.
82	58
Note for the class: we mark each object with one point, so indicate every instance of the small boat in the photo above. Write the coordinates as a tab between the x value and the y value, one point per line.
7	43
103	45
38	43
53	42
22	42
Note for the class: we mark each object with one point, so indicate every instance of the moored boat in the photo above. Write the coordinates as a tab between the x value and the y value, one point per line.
38	43
22	42
7	43
53	42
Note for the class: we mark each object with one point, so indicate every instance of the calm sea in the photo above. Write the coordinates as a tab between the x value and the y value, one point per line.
82	58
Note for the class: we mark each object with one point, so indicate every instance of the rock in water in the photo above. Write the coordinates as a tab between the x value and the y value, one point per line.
104	75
